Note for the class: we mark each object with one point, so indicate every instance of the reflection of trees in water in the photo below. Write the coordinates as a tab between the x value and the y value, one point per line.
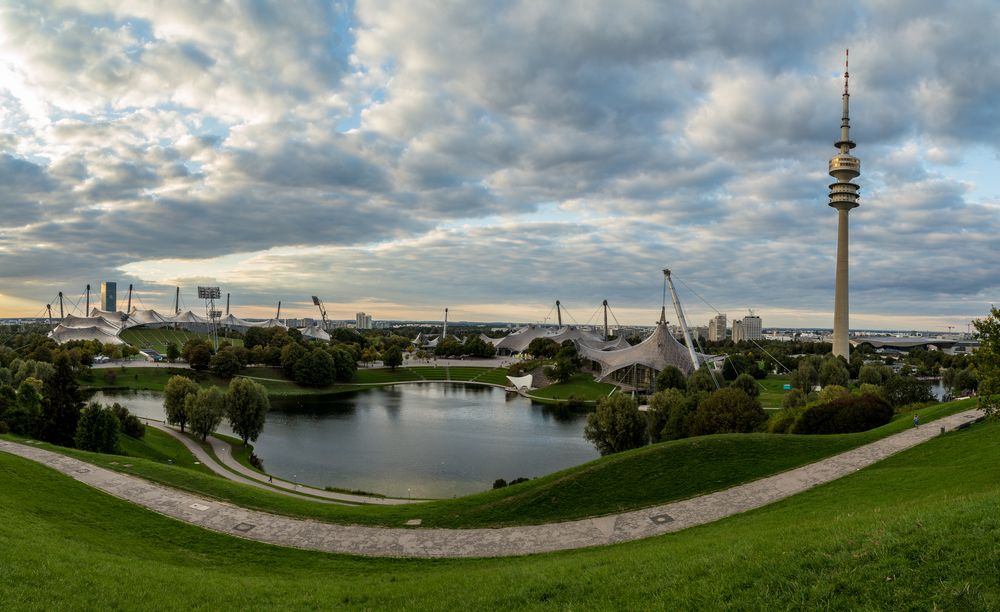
562	413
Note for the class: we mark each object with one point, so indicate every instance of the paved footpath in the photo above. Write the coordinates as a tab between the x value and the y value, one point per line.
507	541
223	451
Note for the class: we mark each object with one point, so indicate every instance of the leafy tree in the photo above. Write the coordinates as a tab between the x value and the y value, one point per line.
734	365
315	369
246	406
369	355
225	363
874	374
198	353
987	360
477	347
344	364
543	348
796	398
667	414
393	357
616	425
846	414
175	394
747	384
670	377
62	404
702	380
290	356
205	410
832	392
727	410
963	380
97	430
805	377
904	390
173	352
448	347
833	371
131	426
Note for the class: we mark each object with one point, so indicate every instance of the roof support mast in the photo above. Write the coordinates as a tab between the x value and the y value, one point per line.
559	313
128	310
605	320
61	314
682	321
87	314
444	332
278	315
177	302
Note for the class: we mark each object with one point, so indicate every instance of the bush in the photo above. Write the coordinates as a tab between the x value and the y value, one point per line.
130	424
796	398
844	415
746	384
616	425
97	430
499	483
903	390
3	427
727	410
670	378
783	421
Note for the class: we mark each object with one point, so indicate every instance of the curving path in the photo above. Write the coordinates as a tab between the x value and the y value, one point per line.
506	541
243	474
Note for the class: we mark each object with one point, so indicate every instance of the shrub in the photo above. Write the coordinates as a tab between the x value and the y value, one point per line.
783	421
616	425
746	384
903	390
97	430
727	410
3	427
499	483
796	398
130	424
670	378
844	415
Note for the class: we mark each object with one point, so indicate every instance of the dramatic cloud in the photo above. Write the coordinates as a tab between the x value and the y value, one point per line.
400	157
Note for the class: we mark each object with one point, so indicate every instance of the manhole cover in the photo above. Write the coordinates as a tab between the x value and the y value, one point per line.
82	471
244	527
202	507
661	518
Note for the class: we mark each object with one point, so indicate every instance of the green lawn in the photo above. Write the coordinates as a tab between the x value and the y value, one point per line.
581	386
917	531
772	390
158	339
634	479
161	448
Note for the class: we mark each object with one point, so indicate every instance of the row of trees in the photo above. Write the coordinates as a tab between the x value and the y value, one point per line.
245	403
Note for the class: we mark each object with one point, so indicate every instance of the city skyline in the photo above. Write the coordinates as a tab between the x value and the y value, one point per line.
492	160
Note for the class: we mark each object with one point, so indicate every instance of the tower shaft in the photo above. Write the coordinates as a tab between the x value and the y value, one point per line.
841	310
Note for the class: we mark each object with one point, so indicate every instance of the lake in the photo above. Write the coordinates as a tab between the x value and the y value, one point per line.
419	440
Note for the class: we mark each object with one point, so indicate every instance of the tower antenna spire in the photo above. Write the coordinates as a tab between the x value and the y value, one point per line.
847	74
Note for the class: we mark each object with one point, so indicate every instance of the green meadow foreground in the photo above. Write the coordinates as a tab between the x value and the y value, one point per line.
918	530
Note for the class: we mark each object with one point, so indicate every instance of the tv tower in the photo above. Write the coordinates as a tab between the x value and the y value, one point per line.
843	196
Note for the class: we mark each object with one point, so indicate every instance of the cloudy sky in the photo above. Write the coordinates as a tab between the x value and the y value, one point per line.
492	157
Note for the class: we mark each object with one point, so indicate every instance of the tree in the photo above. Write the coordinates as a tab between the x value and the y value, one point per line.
904	390
97	430
670	377
616	425
805	377
175	394
131	426
173	352
734	365
369	355
198	353
543	348
702	380
225	363
246	406
315	369
667	415
987	360
62	404
290	356
873	374
205	410
747	384
796	398
392	357
344	364
727	410
833	371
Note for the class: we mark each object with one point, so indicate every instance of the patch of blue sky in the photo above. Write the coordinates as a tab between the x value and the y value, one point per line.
980	169
547	212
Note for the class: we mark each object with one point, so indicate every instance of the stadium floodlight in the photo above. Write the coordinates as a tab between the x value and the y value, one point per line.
209	293
315	301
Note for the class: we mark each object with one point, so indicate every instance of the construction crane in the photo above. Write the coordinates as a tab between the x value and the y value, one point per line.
322	311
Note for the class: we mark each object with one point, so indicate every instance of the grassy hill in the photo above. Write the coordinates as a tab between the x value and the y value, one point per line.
916	531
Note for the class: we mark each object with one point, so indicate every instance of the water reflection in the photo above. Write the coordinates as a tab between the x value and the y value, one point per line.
428	440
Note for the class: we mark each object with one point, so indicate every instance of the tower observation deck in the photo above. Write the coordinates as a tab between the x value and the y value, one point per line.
844	167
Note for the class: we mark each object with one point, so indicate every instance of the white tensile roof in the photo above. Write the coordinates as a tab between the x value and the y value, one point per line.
148	317
188	317
62	334
315	332
656	352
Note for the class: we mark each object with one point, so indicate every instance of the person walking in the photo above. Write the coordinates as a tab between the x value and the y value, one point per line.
916	420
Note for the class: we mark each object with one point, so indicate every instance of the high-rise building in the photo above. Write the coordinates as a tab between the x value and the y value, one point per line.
362	321
843	196
717	328
750	328
109	296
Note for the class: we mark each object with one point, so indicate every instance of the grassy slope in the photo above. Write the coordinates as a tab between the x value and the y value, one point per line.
581	386
163	448
773	392
635	479
916	531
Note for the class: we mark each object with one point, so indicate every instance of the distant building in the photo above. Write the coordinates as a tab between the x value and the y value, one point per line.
362	321
109	296
717	328
750	328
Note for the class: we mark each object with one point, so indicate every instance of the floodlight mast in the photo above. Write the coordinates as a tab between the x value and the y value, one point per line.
682	321
322	311
210	294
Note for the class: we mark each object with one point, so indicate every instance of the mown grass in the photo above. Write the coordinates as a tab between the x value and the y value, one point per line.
162	448
916	531
772	391
643	477
581	386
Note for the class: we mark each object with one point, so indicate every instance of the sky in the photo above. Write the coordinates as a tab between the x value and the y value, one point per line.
400	157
